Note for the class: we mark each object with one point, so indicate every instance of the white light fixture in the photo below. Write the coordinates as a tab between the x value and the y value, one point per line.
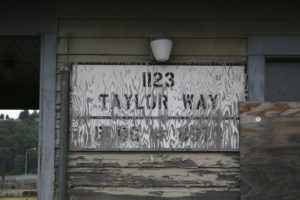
161	46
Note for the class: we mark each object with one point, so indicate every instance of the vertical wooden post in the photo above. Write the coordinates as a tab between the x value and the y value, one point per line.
47	117
64	127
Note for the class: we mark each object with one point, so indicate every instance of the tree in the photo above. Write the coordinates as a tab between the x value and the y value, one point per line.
7	116
34	116
15	138
2	116
24	115
19	164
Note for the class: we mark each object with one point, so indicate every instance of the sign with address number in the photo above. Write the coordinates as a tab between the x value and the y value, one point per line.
155	108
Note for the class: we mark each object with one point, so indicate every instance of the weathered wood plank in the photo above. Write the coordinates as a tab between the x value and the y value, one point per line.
140	46
63	61
174	193
270	150
153	177
177	128
58	82
153	160
180	28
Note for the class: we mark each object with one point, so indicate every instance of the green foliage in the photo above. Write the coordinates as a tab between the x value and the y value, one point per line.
19	163
29	118
16	137
24	115
2	116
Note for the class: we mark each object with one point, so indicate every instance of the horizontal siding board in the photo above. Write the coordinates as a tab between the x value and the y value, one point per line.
103	46
125	46
180	28
65	60
153	160
166	193
171	10
147	177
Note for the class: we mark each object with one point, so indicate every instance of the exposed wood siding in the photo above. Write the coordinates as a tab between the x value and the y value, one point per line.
270	150
212	34
153	160
154	175
159	193
65	60
132	177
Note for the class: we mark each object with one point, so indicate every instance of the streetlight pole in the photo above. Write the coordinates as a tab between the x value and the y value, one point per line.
26	158
3	163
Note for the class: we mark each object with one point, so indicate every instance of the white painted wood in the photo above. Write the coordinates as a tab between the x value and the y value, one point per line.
47	117
161	193
122	107
64	61
149	177
153	160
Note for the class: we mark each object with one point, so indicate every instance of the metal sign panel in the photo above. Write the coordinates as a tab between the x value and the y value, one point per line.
155	108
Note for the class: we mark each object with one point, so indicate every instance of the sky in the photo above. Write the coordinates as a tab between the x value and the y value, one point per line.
12	113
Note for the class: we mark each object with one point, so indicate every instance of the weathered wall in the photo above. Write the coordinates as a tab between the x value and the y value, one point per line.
120	34
270	150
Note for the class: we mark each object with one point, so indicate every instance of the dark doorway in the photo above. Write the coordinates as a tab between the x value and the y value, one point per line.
19	72
282	79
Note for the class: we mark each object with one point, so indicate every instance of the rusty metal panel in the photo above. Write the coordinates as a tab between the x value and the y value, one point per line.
155	108
270	150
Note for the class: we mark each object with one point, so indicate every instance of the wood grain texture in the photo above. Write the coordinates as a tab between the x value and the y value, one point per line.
270	150
159	193
47	117
126	175
153	160
63	61
147	177
199	111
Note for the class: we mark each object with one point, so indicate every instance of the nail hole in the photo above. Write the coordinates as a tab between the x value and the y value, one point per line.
258	119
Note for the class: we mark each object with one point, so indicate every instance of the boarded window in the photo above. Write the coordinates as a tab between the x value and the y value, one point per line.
155	108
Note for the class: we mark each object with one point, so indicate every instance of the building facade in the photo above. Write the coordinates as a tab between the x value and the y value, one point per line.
248	34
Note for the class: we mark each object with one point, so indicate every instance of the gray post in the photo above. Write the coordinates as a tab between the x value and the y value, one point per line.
46	147
256	73
64	127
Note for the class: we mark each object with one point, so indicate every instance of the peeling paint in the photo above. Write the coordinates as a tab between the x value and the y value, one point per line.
155	108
